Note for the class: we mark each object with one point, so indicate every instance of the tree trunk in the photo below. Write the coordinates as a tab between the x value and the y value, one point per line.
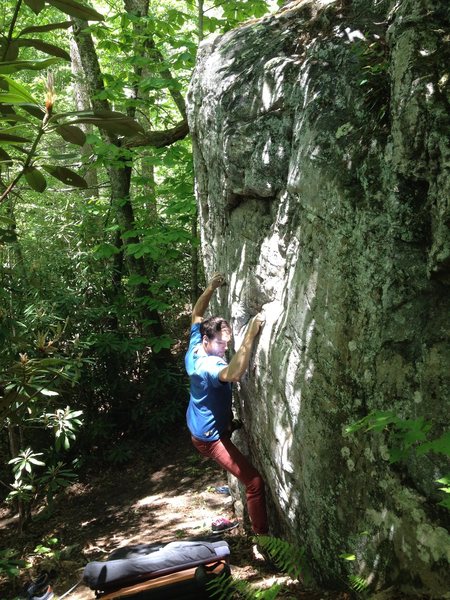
82	102
120	177
195	286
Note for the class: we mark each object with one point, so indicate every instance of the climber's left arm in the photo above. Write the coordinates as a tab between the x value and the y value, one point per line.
240	361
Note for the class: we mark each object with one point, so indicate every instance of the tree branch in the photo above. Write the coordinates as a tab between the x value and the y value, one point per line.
159	139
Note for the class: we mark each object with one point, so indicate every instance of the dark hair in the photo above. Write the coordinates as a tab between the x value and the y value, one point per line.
211	326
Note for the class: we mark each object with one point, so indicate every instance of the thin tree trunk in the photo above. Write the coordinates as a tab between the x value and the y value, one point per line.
82	102
195	285
120	177
200	13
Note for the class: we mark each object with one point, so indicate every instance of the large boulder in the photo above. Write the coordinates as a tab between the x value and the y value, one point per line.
321	151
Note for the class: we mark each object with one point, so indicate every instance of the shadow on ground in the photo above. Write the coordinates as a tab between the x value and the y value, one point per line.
170	496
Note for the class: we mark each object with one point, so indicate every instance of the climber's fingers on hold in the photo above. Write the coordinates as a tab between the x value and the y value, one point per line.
217	279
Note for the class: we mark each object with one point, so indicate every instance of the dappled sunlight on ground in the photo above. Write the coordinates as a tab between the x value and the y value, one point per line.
140	503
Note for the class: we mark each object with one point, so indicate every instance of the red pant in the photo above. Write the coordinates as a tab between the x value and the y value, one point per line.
225	453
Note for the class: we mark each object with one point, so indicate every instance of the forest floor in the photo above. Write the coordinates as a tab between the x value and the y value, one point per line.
171	496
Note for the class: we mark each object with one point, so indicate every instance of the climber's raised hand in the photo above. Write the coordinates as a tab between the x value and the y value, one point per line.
216	281
202	303
255	324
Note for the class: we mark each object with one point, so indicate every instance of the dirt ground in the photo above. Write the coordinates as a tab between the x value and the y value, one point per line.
171	496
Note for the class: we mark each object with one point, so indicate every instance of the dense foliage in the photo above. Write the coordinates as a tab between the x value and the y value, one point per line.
98	243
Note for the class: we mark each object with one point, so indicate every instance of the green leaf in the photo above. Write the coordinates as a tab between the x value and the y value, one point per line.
358	583
441	445
11	98
376	420
346	556
445	480
12	139
137	280
112	121
105	250
12	66
4	156
49	393
35	5
75	9
445	503
13	51
66	175
17	88
72	134
12	117
34	111
35	179
44	47
44	28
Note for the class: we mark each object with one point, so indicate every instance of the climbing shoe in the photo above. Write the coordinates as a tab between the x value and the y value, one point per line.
221	524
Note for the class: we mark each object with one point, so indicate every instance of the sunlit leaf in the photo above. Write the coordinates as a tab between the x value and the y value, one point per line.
66	175
13	66
44	47
11	98
35	179
75	9
17	88
445	480
346	556
72	134
49	393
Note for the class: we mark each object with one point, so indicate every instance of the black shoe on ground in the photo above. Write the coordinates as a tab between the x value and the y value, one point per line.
39	589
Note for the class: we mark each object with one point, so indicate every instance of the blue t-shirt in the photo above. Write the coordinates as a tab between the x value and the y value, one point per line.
209	411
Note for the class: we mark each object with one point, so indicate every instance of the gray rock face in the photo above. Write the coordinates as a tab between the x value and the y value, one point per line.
322	160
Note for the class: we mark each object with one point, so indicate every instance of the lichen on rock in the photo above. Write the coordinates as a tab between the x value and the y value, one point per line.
321	149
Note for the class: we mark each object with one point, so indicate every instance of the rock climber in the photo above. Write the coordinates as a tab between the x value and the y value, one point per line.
209	411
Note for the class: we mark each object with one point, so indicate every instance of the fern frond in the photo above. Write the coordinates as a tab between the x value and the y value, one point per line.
269	594
225	587
221	587
357	583
290	559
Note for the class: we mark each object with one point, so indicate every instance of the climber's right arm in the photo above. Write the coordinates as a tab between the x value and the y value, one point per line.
202	303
